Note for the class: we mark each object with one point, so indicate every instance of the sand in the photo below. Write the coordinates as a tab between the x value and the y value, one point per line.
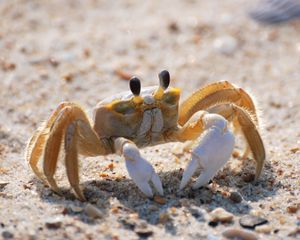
84	51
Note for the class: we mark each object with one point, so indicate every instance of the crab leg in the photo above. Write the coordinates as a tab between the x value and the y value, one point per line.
53	146
36	143
81	138
140	171
213	151
71	159
72	122
245	121
212	94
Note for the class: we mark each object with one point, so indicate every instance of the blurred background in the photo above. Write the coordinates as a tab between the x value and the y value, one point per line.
86	50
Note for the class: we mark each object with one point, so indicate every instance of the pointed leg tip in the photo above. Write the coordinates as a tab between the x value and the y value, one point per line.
157	183
148	195
257	176
182	185
81	197
161	192
145	188
56	190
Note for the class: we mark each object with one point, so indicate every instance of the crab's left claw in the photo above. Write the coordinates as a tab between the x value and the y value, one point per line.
141	171
212	152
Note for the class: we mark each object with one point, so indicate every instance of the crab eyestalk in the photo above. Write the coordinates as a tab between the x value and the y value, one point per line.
135	88
164	81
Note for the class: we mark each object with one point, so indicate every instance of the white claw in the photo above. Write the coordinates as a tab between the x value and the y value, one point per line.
157	183
188	173
141	171
203	179
145	188
213	151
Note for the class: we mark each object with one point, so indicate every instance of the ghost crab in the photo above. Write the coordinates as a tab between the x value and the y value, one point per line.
152	116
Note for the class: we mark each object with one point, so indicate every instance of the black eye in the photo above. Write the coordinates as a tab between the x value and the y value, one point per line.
124	108
164	79
135	86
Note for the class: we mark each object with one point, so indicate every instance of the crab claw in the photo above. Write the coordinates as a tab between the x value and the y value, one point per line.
141	171
213	151
188	173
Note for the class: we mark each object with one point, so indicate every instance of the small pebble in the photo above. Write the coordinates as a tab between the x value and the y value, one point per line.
144	232
226	45
221	215
86	52
3	184
295	149
173	27
68	77
76	209
248	177
235	197
295	232
196	213
54	223
164	218
8	66
114	210
173	211
267	229
153	208
159	199
27	185
250	221
134	216
293	208
236	233
54	62
115	237
7	235
128	223
236	154
213	224
93	212
122	74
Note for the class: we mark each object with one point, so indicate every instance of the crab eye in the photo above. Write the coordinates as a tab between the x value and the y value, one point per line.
164	79
135	86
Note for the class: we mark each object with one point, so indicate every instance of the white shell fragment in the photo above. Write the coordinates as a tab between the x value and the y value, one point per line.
225	45
237	233
93	212
221	215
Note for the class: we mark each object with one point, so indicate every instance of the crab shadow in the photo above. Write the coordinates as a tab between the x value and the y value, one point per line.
122	197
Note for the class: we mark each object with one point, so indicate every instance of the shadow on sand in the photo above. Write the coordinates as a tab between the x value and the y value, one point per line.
131	200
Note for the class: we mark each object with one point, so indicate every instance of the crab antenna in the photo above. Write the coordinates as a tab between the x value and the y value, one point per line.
164	79
135	86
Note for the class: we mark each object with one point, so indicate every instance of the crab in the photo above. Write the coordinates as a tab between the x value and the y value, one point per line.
131	120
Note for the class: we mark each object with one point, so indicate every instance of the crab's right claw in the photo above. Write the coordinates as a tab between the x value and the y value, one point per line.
212	152
188	173
141	171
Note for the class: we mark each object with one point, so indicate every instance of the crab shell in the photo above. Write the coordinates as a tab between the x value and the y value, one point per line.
144	119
